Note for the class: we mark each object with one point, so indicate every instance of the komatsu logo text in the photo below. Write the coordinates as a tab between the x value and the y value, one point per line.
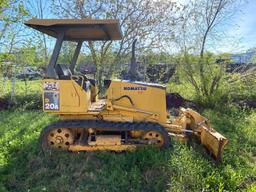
135	88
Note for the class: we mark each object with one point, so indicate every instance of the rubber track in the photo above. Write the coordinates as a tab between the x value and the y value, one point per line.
105	126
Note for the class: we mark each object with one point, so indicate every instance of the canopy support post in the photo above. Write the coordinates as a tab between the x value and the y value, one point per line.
51	72
75	56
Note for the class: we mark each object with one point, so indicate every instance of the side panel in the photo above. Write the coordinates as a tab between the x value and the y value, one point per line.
65	96
146	98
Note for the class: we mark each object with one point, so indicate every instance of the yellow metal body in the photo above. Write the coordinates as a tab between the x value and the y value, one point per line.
70	97
126	102
117	148
146	103
106	140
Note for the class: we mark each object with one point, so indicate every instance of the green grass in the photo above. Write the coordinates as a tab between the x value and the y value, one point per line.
26	96
20	87
23	166
180	168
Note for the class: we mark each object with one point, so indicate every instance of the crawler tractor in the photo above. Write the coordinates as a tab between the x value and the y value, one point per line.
131	115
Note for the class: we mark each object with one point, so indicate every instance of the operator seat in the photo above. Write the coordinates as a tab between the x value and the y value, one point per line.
64	73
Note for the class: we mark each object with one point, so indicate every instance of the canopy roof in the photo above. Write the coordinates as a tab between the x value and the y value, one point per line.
78	29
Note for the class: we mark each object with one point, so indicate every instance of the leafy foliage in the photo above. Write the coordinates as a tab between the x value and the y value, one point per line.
28	95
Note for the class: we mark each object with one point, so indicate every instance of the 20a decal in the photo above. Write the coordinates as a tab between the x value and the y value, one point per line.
51	106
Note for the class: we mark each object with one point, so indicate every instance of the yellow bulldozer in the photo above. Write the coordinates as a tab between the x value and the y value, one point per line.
133	113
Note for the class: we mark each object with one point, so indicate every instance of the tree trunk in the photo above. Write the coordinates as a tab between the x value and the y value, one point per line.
13	85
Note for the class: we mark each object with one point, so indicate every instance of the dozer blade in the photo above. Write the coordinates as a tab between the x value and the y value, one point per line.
213	141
